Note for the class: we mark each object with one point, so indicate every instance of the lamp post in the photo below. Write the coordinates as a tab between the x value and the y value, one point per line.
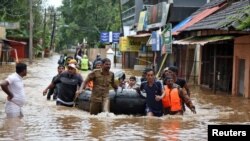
30	33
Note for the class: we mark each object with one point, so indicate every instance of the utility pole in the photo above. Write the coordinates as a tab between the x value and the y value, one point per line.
53	32
44	29
120	8
30	33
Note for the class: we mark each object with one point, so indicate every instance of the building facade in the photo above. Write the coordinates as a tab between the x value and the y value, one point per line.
159	11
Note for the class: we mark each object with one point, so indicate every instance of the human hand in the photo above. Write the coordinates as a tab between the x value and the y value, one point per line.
158	98
45	92
79	92
137	90
193	110
9	97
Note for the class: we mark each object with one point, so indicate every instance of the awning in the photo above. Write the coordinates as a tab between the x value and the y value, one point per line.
13	41
202	40
149	42
140	35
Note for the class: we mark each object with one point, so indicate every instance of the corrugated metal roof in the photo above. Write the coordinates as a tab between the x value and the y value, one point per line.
209	5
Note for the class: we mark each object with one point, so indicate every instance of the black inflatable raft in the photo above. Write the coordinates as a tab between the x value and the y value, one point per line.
126	101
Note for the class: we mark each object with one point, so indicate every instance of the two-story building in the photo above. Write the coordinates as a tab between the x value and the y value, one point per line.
142	17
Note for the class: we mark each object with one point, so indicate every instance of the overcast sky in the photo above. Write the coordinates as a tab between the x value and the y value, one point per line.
55	3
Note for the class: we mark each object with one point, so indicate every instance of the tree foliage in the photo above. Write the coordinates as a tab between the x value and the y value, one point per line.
87	18
239	21
245	23
18	11
75	20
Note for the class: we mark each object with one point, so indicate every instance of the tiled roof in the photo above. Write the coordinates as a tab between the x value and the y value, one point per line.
209	5
238	21
199	16
218	19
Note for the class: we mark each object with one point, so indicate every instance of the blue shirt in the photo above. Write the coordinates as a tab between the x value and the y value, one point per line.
152	91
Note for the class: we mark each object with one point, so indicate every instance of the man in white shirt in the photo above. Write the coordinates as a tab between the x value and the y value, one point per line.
14	88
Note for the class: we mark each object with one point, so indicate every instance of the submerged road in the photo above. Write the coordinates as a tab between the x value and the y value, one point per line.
45	121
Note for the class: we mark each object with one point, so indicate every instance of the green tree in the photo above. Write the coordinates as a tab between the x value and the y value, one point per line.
16	11
87	18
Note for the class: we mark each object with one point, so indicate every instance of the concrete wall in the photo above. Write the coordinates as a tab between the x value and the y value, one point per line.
241	51
7	67
92	52
2	32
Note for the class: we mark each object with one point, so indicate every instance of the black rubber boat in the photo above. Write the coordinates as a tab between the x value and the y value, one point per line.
126	101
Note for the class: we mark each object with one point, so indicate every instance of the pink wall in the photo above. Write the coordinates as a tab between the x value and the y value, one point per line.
241	51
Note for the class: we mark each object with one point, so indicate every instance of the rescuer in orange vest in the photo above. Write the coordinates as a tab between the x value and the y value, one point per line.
174	96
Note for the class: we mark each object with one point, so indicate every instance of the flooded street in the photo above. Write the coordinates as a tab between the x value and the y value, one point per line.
43	120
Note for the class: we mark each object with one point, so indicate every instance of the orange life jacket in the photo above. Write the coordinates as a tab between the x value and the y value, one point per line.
172	99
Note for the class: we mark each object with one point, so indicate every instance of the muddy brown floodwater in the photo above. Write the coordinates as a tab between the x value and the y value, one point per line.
45	121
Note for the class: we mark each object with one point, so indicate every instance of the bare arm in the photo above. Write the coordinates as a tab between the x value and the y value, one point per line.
84	83
184	96
4	86
113	84
55	80
51	85
187	89
158	98
163	93
82	87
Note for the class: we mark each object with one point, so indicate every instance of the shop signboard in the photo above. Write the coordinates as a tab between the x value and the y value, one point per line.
167	38
155	39
129	44
115	37
157	15
104	37
142	21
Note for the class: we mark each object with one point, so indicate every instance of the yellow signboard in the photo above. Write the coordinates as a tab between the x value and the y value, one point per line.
123	43
129	45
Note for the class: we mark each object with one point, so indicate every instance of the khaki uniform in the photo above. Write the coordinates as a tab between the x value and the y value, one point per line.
99	100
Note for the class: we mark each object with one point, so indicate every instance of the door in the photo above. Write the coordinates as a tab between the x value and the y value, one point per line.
241	77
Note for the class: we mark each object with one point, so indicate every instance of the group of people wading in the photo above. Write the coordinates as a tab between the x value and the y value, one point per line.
168	95
165	96
80	59
69	84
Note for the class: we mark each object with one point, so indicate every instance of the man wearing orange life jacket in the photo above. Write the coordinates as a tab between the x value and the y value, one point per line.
174	95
